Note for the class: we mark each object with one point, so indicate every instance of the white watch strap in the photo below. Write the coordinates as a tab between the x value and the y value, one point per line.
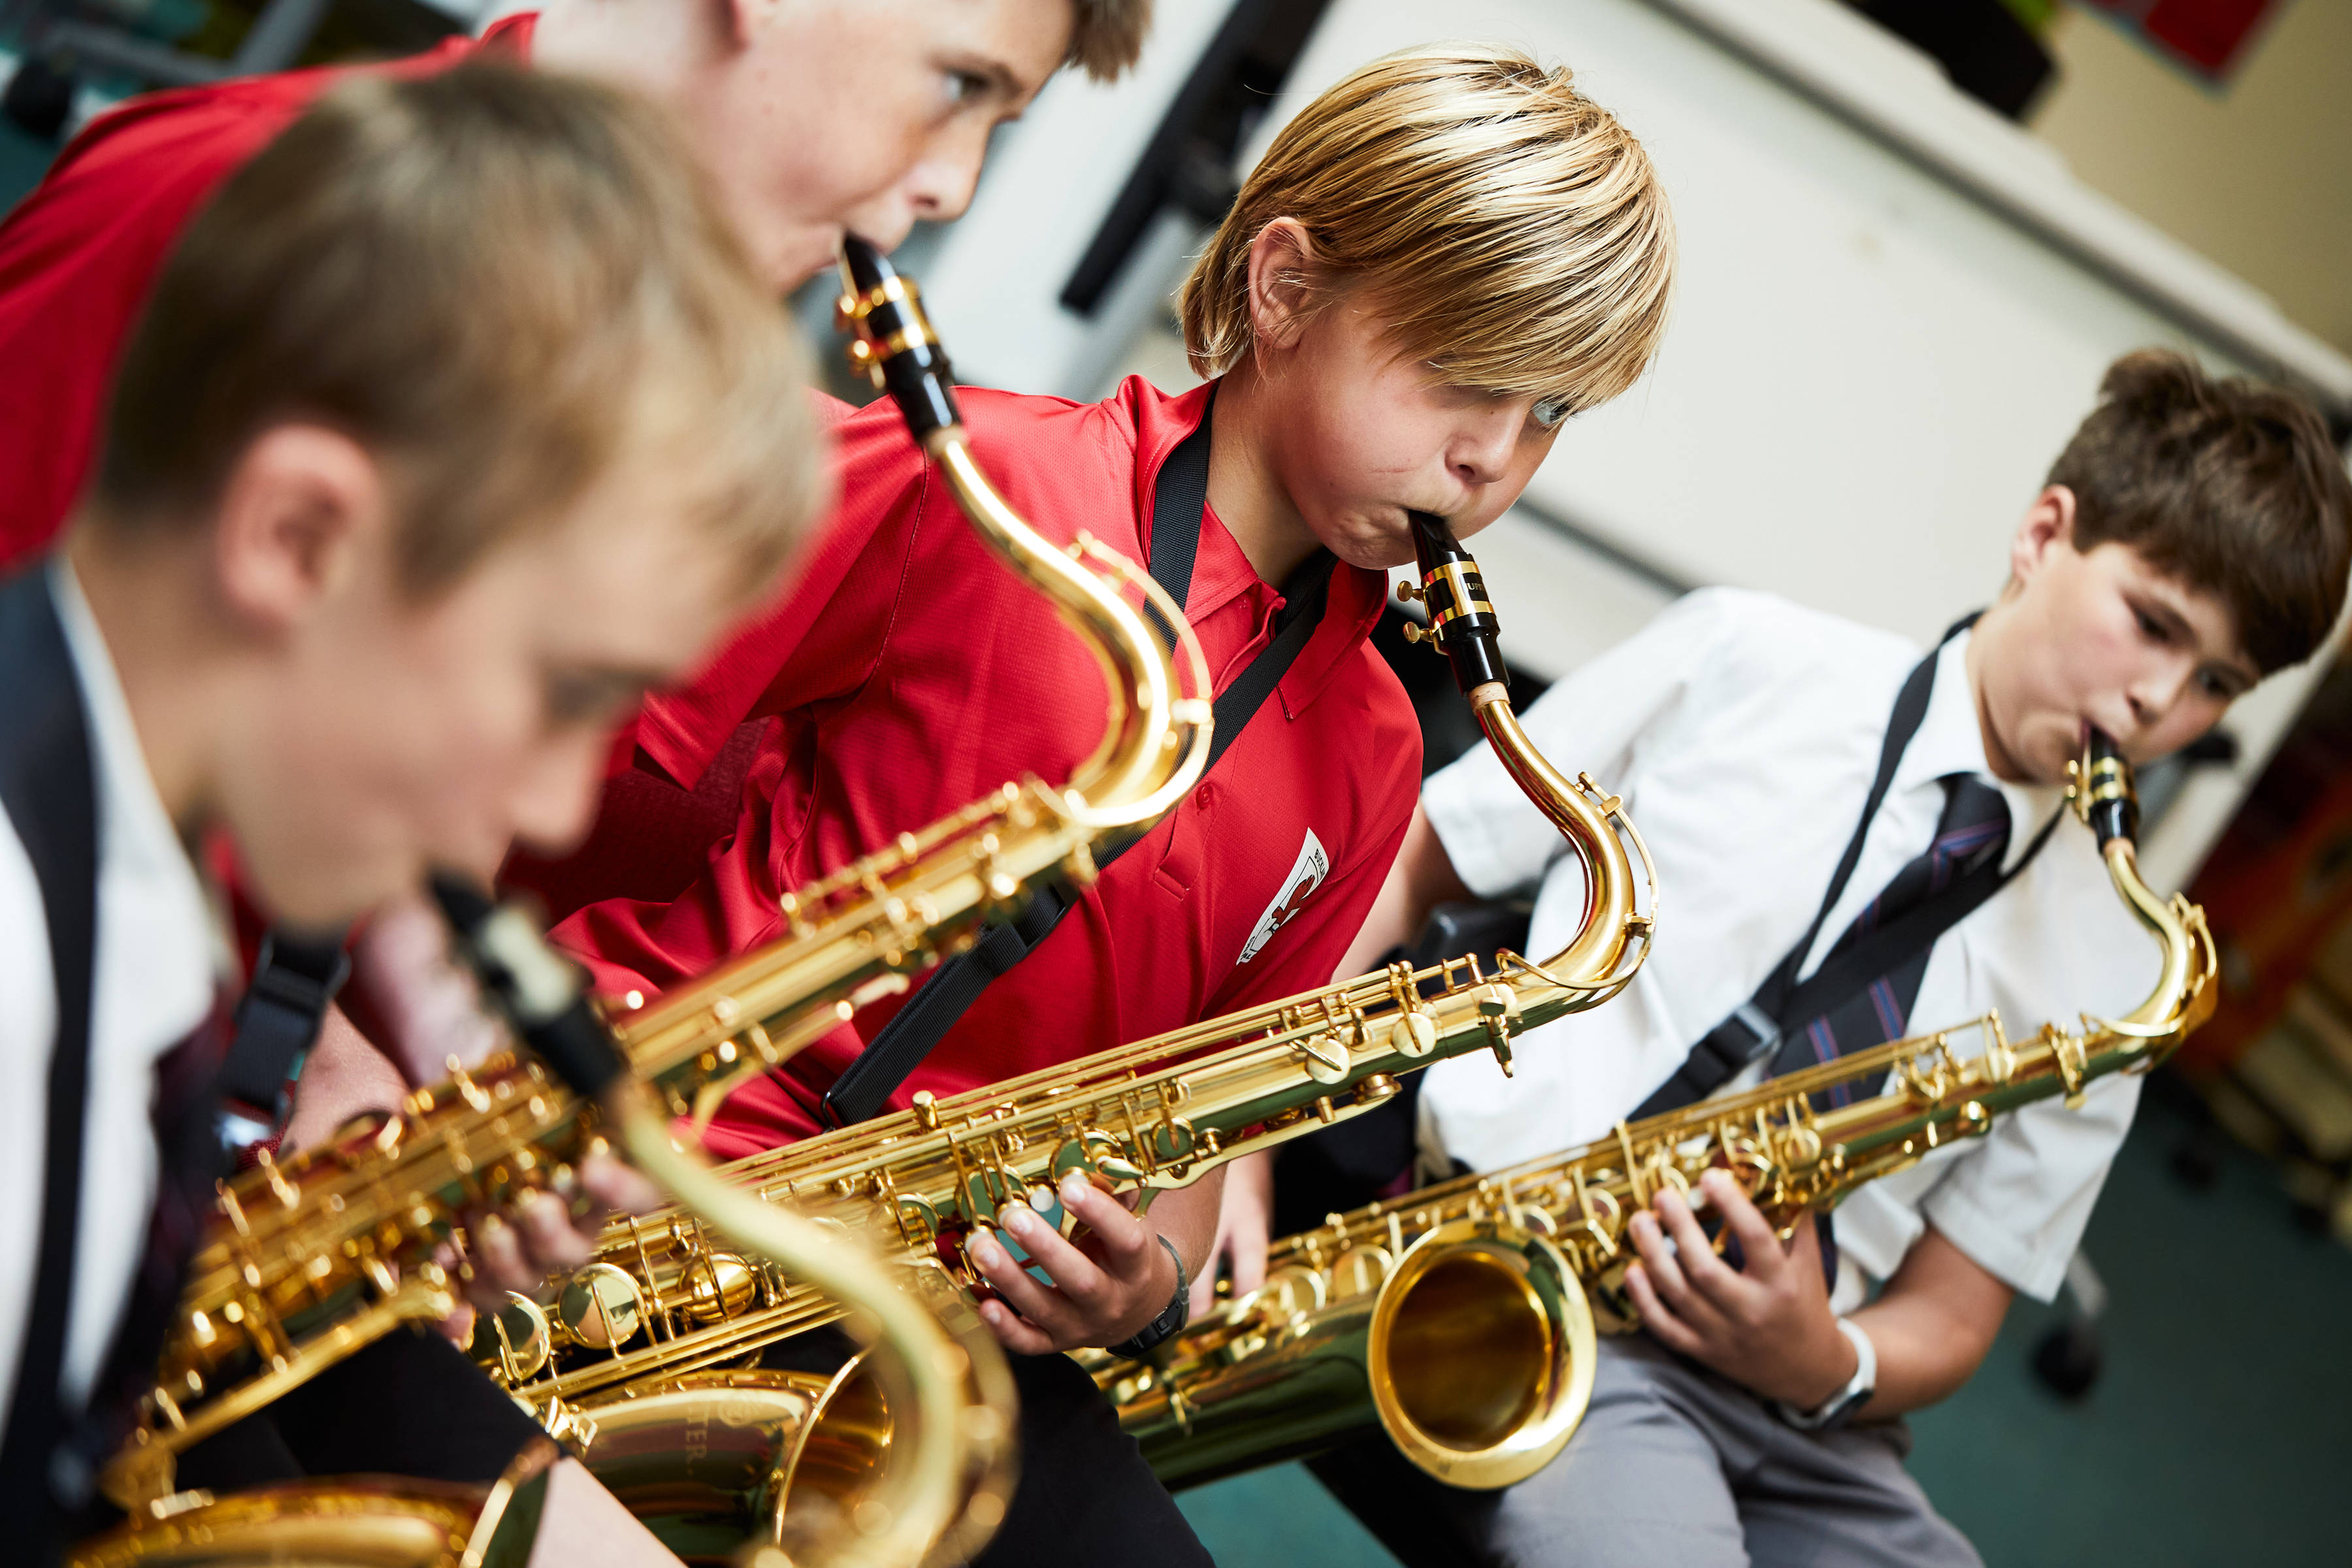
1856	1392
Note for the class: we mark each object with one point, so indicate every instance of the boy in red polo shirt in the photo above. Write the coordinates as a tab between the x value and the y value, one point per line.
1438	261
811	117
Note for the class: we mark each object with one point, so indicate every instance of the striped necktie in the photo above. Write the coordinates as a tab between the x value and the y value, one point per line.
1973	830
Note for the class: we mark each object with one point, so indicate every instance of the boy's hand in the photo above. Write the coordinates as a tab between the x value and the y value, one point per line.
537	1236
1107	1284
1769	1328
1243	1217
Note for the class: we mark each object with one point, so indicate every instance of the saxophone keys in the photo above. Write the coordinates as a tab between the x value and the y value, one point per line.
601	1307
1413	1034
1326	1059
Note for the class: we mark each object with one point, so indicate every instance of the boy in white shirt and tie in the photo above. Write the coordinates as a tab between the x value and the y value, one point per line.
2192	539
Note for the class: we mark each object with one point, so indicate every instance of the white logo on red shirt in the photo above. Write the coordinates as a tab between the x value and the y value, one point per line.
1307	874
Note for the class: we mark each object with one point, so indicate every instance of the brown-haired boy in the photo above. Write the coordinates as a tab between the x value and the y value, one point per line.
2192	538
909	674
459	420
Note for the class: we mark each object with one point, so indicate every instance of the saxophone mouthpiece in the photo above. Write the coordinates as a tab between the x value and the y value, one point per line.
1461	622
542	996
2105	793
892	340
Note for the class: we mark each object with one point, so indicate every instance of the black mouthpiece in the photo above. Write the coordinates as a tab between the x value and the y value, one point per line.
894	341
2111	805
541	993
1460	618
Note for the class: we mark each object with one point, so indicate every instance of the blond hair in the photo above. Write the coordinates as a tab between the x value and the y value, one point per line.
1107	35
502	284
1512	233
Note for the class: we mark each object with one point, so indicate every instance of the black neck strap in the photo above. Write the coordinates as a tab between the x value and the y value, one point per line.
47	785
1180	503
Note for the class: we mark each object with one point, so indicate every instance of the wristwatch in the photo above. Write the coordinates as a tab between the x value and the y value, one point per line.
1171	1317
1847	1400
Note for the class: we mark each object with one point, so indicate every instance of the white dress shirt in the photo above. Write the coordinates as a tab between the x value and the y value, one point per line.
1744	733
154	973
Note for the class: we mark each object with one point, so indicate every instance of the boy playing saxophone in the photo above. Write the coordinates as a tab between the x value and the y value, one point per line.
457	420
1438	261
2192	538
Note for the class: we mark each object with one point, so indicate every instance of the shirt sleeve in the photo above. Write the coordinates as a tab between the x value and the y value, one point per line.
77	258
1590	721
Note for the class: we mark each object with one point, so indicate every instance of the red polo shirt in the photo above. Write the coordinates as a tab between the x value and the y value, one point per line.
912	674
79	256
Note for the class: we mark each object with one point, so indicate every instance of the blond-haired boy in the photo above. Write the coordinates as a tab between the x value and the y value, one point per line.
909	674
458	421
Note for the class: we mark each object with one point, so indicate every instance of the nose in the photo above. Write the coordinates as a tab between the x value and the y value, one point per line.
1482	450
940	184
2157	694
554	802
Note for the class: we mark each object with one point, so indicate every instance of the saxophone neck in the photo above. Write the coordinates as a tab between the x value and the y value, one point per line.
1155	744
1612	940
2100	786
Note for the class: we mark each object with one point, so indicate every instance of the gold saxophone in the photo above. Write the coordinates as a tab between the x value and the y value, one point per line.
318	1256
1456	1317
663	1317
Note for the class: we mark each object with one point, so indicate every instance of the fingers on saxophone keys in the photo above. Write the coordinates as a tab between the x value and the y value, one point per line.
1657	1318
498	1256
619	1187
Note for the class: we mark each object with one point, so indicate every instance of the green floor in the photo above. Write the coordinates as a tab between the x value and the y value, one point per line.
2217	1435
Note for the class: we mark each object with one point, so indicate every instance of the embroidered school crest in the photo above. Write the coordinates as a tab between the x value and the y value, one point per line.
1307	874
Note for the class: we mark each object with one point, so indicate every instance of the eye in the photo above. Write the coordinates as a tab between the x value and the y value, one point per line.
583	697
1552	413
2218	686
2150	627
964	87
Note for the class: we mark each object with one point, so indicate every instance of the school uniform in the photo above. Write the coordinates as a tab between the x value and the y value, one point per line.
108	972
909	673
1745	734
79	255
111	1037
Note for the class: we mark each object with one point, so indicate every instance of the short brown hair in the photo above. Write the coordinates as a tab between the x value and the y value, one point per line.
1108	36
501	283
2230	485
1515	234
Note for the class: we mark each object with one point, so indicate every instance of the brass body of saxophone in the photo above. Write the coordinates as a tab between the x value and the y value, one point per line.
662	1317
316	1256
1435	1315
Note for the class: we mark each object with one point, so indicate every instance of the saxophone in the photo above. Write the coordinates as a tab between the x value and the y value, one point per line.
319	1256
1457	1319
663	1316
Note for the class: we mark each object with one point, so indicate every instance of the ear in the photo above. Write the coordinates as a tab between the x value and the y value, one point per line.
2048	523
300	507
1281	266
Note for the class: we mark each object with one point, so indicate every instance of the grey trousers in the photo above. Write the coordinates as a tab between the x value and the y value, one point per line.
1672	1467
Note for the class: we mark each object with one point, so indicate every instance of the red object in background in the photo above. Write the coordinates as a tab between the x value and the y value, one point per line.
2280	881
2206	36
